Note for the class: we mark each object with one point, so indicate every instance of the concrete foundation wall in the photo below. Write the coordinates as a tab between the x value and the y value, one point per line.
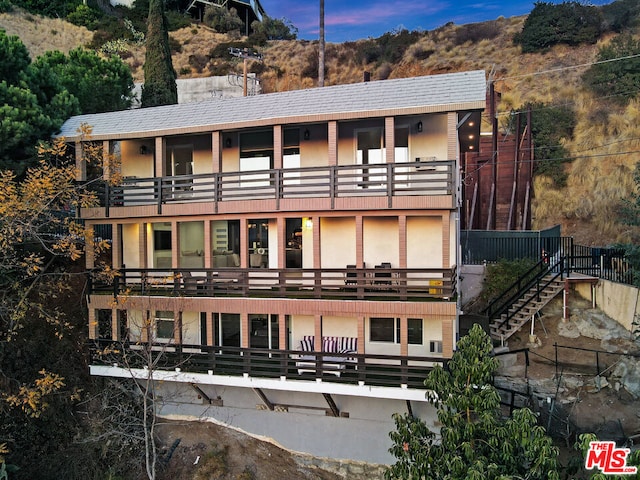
363	436
616	300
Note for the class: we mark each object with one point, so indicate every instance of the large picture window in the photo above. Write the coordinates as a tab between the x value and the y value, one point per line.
165	325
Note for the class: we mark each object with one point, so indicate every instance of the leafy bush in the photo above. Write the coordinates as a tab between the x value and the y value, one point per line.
272	29
570	22
502	275
84	16
550	125
221	19
5	6
475	32
198	61
221	50
177	20
619	80
48	8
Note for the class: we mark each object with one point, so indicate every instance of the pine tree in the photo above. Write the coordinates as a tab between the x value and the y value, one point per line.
159	76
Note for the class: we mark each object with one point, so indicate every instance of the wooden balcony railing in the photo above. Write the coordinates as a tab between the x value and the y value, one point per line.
370	369
327	283
388	180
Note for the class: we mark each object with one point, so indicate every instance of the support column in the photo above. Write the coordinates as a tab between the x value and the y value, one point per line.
446	241
142	245
209	322
160	153
81	163
447	338
359	241
452	136
282	332
402	241
390	139
89	253
244	244
216	152
361	334
115	325
106	160
177	329
116	246
317	260
244	330
175	245
404	336
332	143
93	324
208	248
317	331
281	227
277	147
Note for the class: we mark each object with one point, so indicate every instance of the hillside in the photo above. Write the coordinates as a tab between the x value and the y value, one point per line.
599	178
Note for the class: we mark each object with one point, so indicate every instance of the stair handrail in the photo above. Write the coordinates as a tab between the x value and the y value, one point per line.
498	306
559	272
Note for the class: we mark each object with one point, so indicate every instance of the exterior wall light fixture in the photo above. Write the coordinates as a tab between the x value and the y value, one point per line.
307	134
419	126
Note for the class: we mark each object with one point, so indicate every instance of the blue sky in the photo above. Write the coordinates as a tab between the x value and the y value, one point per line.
355	19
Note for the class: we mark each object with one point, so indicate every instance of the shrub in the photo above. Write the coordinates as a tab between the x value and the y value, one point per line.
198	62
272	29
501	275
620	15
5	6
475	32
570	22
618	80
221	19
177	20
84	16
221	50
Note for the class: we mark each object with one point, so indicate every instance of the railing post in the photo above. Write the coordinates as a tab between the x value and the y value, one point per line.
158	187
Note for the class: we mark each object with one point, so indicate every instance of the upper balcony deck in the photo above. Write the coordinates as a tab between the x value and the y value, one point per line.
401	185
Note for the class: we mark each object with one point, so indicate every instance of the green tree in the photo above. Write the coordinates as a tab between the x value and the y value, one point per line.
100	85
272	29
222	20
548	24
159	75
618	80
475	442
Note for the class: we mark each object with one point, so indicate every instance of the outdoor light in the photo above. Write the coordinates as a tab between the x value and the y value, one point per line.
308	224
227	142
419	126
307	134
143	150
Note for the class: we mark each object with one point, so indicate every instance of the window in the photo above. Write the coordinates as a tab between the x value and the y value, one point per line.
388	330
256	153
370	150
164	325
383	330
435	346
415	331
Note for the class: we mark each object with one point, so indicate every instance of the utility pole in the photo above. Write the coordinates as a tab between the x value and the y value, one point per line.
321	51
245	54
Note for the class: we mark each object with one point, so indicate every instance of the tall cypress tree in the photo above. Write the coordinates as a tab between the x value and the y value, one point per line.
159	76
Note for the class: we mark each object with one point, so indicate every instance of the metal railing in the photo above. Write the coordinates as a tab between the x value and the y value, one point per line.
329	283
370	369
388	180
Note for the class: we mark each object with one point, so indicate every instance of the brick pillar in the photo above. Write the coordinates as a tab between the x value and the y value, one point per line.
175	244
448	339
142	245
177	329
277	147
115	325
402	241
216	156
332	143
244	243
390	140
317	260
160	153
452	136
244	330
282	333
89	253
317	331
359	241
404	336
93	324
208	248
281	226
81	163
446	240
116	246
106	160
361	334
209	320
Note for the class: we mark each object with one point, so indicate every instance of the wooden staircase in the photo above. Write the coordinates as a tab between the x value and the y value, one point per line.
521	311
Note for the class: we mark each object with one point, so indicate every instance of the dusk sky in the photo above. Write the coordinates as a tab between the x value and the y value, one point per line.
355	19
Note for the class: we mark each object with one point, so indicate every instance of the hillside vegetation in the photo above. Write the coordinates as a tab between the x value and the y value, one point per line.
603	146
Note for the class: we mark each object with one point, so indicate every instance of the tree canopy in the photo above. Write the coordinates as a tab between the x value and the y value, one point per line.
475	442
159	75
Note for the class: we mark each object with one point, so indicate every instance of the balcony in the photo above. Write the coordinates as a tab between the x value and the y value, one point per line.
407	284
358	369
431	178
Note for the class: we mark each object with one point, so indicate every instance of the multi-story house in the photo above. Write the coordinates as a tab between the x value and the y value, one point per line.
293	255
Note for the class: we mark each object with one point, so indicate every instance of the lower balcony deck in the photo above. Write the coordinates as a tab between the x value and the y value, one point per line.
350	369
349	283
